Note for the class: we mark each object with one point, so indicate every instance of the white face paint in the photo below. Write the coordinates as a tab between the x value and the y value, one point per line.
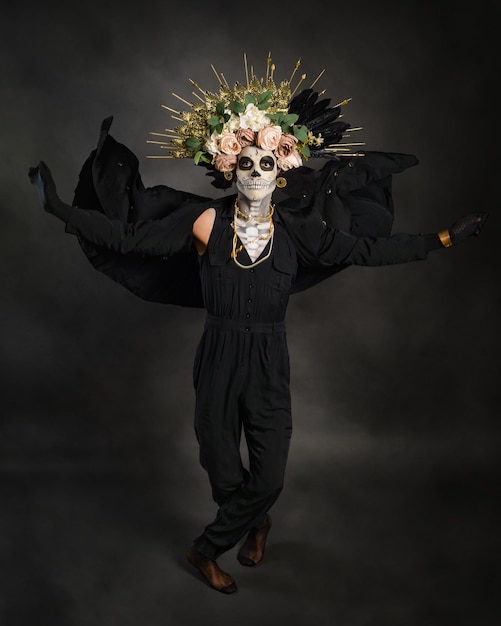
256	172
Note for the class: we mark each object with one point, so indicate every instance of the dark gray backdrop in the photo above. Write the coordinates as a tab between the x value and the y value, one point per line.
389	515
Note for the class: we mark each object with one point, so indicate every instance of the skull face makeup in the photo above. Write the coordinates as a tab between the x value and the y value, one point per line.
256	173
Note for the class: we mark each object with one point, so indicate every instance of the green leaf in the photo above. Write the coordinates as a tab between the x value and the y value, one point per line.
237	107
301	133
220	108
249	99
263	100
201	156
264	96
276	118
214	120
192	143
305	151
291	118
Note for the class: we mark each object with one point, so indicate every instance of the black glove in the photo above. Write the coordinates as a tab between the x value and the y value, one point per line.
466	227
41	177
462	229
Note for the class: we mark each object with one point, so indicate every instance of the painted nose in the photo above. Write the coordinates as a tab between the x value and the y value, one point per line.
255	173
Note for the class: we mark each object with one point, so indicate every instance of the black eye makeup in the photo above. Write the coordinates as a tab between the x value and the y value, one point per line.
245	163
267	163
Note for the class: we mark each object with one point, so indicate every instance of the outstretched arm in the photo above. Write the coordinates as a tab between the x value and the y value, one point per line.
319	244
162	237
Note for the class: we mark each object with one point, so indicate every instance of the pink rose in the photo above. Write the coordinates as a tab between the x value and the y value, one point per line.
269	137
245	137
229	144
290	161
286	145
225	162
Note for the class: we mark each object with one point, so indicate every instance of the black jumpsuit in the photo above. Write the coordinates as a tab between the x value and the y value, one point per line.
241	377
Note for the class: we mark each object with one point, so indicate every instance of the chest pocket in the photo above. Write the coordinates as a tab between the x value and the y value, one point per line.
283	272
220	266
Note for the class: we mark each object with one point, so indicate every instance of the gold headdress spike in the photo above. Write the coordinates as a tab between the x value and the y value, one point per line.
294	124
317	79
296	67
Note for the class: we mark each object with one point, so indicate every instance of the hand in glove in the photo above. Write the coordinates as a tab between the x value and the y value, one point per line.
41	177
465	227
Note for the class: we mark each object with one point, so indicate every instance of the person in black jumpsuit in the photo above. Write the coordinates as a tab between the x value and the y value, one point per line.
241	370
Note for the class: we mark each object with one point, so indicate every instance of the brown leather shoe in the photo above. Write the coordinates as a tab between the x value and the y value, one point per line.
252	551
216	577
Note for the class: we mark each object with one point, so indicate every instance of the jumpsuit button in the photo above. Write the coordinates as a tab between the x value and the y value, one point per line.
251	285
247	329
252	271
247	315
249	300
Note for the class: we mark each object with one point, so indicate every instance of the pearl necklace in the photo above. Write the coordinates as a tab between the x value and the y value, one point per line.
248	227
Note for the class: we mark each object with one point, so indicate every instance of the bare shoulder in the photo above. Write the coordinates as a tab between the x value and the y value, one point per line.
202	229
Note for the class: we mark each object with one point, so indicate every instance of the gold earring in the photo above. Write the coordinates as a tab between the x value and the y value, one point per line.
281	182
228	175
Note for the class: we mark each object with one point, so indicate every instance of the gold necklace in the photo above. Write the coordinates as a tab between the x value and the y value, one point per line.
257	218
269	235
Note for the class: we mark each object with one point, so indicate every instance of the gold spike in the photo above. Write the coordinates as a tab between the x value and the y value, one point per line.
225	81
246	69
341	104
171	110
197	86
182	100
156	156
317	78
160	143
321	93
346	153
272	71
179	119
217	76
303	76
199	97
355	128
268	63
163	135
359	143
296	67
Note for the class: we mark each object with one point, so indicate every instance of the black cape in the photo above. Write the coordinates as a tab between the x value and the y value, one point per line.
353	194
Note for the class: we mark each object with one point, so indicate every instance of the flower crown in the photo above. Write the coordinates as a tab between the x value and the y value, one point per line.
217	126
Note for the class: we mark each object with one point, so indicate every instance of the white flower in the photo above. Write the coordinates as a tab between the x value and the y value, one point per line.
253	118
233	124
212	144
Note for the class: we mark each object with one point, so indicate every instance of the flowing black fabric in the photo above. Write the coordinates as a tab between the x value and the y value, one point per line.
353	195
